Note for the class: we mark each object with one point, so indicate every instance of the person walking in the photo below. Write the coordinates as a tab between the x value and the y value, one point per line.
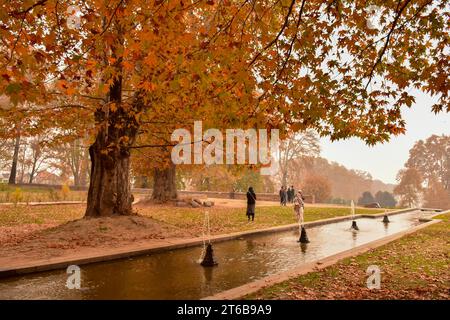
292	194
251	203
299	206
281	195
284	196
289	195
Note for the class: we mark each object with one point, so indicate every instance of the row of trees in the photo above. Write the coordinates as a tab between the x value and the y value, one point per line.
385	199
426	176
299	165
30	157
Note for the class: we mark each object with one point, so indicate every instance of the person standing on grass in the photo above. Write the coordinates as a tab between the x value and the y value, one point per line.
299	206
281	195
292	194
251	203
284	196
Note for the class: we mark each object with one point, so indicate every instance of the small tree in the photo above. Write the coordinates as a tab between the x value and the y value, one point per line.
17	196
436	196
366	198
409	187
296	147
65	192
318	186
385	199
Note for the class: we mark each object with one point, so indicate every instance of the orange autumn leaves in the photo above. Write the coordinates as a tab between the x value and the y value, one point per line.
190	60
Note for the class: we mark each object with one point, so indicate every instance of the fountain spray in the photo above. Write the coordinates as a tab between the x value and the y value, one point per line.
207	258
385	218
303	236
354	225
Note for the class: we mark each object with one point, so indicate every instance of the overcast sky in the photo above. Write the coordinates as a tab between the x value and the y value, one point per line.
383	161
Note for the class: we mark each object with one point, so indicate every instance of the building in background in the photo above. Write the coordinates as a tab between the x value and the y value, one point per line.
4	177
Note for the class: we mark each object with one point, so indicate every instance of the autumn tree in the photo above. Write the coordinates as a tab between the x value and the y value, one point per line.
293	150
432	159
129	67
71	158
345	183
5	156
436	196
38	155
317	186
225	178
10	131
409	187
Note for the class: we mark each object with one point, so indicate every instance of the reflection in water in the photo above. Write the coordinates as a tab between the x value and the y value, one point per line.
303	246
207	279
177	275
386	227
354	235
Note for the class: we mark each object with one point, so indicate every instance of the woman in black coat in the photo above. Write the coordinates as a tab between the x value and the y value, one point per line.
251	203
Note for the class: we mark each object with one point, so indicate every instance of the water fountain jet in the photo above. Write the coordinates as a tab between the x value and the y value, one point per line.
303	236
354	225
385	218
207	257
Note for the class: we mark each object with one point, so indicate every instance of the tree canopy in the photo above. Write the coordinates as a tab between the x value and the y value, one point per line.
432	159
128	71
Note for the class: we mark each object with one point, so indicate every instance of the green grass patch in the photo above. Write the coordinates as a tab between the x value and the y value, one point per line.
223	220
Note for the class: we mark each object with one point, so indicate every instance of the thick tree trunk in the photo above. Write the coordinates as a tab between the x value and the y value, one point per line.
164	184
109	188
110	185
13	173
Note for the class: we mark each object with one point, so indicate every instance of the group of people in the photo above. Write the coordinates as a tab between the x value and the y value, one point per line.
288	195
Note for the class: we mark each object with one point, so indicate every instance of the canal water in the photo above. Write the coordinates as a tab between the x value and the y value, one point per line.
176	274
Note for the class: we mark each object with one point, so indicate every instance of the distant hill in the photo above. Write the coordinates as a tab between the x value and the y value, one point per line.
378	185
345	183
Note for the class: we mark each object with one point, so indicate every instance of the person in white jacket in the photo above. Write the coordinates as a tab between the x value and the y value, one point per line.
299	206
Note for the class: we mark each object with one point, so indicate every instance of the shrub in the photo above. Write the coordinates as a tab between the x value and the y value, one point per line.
65	191
17	196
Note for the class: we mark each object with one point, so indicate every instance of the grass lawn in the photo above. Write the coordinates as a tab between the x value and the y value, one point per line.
416	266
27	194
13	194
16	216
223	220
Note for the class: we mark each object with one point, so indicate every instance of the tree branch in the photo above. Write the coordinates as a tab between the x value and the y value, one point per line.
388	38
285	24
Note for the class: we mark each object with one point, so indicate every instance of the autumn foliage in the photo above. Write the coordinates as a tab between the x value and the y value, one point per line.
126	72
